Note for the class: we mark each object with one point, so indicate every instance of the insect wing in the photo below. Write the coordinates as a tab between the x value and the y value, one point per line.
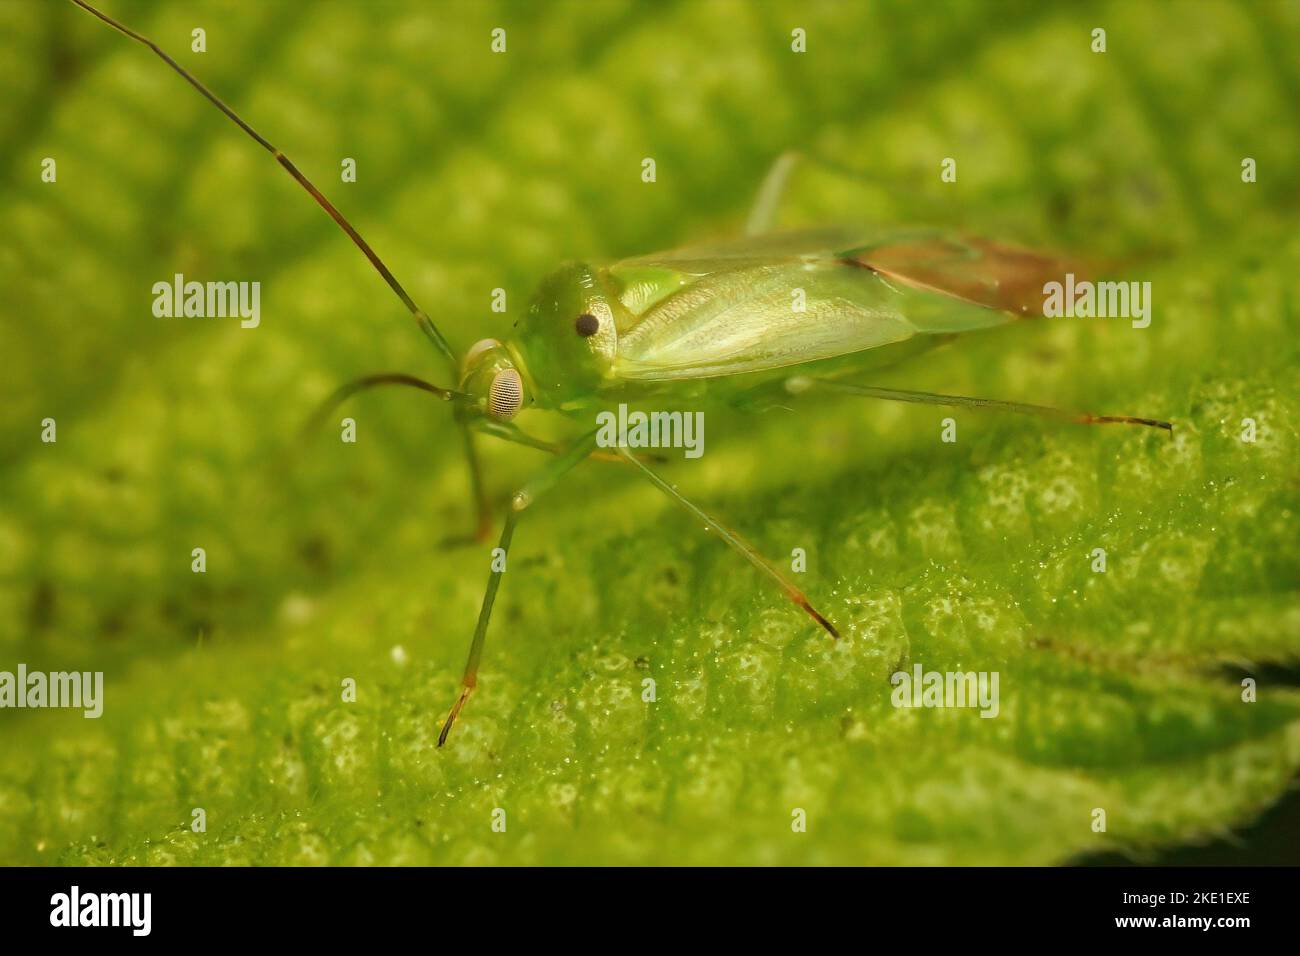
789	298
758	318
772	249
973	270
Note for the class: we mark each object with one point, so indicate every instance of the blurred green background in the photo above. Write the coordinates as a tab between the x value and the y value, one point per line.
479	170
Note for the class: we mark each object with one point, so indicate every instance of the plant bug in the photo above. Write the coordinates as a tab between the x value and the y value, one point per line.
717	318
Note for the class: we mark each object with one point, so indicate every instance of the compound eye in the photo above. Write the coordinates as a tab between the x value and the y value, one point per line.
506	396
587	325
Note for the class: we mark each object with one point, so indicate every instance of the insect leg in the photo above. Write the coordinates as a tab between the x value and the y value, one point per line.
762	215
509	431
735	541
543	481
477	489
799	384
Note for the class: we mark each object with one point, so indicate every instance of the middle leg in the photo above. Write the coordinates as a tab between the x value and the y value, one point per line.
734	540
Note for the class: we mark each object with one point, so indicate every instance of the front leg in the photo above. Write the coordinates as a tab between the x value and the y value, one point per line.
520	501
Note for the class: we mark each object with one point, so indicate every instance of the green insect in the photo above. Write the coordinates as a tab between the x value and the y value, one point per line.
771	313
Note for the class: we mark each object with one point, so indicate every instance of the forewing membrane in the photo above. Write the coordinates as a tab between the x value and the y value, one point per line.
974	270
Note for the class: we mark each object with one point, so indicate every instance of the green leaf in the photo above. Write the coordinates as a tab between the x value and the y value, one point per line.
1119	691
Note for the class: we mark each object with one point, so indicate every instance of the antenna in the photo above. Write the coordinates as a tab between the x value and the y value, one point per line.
423	320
